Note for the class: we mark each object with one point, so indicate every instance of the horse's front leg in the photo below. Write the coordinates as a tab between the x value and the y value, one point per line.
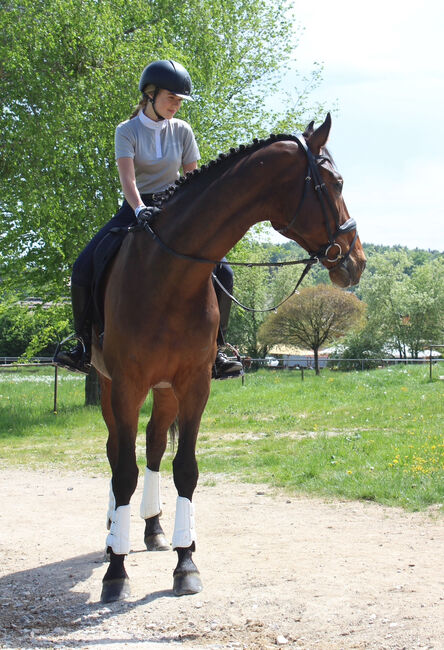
186	575
120	410
163	415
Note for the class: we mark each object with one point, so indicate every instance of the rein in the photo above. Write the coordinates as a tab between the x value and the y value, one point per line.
144	223
262	311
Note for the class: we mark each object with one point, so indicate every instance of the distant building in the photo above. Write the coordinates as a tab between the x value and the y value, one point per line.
292	357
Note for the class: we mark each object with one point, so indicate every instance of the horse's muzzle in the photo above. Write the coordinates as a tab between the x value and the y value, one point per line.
347	274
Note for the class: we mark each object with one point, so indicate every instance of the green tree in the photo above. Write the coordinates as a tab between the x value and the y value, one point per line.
315	317
422	298
405	302
251	289
26	326
70	71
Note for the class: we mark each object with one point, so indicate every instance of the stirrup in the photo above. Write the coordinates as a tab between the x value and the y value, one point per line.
71	337
233	373
83	365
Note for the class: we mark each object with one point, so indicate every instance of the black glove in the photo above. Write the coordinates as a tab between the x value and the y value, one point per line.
144	215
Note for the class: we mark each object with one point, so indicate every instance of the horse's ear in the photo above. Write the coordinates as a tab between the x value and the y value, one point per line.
318	138
309	130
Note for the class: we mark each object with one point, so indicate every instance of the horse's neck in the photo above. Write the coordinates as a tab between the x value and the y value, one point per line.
211	221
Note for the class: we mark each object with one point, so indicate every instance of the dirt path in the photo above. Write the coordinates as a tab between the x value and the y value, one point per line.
277	571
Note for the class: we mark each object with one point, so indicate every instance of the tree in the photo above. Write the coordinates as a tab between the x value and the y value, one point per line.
252	289
26	326
315	317
70	71
405	302
423	321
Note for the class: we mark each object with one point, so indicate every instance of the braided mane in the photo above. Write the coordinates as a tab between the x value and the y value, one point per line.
242	149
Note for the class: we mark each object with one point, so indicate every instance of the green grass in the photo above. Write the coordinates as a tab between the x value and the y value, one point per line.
374	435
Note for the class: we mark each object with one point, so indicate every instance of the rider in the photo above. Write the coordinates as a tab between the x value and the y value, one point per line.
150	148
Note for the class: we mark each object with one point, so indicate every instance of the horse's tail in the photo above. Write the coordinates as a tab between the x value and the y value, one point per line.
174	428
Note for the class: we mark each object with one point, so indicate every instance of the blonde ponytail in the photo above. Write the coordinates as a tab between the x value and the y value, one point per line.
149	88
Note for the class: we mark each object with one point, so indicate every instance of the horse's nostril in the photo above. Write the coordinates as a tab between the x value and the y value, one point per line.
341	277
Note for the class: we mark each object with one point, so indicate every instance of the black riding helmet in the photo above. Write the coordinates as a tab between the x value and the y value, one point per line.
169	75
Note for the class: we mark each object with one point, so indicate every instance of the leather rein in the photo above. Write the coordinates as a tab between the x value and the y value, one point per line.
321	255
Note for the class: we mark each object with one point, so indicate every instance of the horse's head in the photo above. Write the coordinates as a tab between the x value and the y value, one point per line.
321	224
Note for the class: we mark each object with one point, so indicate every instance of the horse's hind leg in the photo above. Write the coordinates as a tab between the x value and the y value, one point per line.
120	411
163	415
191	405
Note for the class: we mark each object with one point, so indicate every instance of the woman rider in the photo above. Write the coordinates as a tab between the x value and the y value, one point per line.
150	149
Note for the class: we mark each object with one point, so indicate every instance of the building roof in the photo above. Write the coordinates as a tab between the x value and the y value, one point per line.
294	351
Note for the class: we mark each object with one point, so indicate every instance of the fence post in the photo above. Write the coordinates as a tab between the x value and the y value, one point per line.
56	374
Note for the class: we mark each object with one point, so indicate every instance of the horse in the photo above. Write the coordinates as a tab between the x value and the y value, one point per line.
161	318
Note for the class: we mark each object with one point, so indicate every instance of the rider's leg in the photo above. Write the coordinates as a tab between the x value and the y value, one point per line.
79	357
224	274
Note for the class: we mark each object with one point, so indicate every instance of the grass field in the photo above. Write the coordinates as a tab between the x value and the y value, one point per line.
374	435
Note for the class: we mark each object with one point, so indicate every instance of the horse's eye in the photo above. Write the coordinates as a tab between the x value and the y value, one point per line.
339	185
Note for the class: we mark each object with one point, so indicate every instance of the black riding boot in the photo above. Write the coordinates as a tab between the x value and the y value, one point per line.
223	366
79	357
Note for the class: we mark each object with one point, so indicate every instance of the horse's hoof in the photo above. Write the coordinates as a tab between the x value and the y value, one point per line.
116	589
156	543
187	583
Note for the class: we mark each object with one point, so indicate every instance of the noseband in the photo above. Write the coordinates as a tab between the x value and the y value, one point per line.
327	206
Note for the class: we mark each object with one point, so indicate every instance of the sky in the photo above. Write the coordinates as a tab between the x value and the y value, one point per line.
384	73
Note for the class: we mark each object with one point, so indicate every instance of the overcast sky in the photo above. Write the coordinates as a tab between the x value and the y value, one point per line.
383	69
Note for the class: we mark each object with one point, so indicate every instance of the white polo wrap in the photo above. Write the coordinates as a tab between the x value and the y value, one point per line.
111	505
118	537
184	532
151	504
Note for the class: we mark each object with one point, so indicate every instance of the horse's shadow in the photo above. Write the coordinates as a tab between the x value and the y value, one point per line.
45	601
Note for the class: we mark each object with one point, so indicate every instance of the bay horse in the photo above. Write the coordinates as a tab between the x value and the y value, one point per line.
161	318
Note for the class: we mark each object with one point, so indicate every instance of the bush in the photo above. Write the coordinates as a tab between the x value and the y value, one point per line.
364	344
29	328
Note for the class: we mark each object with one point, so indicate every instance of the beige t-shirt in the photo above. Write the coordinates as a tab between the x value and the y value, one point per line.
158	149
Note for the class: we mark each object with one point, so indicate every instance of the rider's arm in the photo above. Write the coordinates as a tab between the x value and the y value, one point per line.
128	182
189	167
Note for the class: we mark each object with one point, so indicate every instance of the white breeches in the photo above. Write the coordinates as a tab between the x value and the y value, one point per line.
118	537
151	503
184	530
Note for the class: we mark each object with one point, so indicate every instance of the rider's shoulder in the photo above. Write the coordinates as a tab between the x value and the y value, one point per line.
128	125
180	125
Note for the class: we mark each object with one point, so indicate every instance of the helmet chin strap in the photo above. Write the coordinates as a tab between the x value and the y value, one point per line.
151	101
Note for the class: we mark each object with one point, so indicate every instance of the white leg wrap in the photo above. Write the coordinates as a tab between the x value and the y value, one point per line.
151	504
118	537
184	531
111	505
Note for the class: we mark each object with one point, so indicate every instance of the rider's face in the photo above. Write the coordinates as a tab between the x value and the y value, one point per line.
167	104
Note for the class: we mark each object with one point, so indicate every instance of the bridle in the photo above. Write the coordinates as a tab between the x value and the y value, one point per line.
327	205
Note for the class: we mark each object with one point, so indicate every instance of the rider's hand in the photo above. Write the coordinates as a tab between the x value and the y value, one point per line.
142	213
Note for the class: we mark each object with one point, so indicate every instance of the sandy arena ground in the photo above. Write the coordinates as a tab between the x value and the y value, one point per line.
278	571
